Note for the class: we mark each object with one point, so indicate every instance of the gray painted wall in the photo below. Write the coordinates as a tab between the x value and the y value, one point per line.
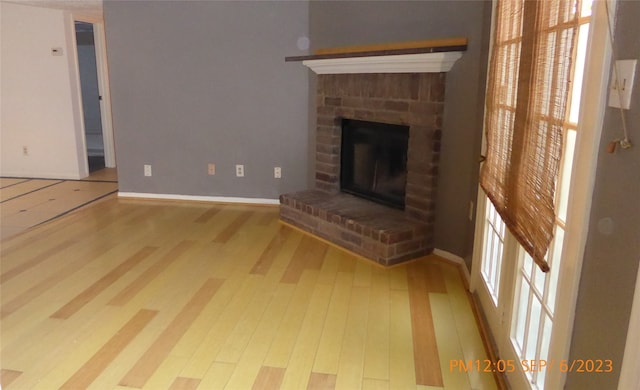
611	258
344	23
198	82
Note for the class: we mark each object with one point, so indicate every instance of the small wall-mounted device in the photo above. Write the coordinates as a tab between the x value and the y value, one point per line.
622	83
56	51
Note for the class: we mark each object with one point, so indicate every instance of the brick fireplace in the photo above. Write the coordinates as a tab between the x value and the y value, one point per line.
383	234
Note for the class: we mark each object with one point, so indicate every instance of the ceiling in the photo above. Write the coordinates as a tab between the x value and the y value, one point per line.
82	10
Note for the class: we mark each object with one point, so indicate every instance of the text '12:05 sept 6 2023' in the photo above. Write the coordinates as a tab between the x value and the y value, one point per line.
532	365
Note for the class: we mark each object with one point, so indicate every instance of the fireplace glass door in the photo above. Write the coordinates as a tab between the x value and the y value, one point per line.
373	162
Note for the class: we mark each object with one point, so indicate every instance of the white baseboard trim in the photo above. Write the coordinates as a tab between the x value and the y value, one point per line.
47	176
456	259
195	198
629	375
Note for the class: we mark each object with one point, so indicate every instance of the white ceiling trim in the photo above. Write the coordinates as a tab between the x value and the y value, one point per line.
82	10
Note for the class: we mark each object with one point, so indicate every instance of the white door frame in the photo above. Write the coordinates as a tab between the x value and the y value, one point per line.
629	373
102	65
590	123
102	68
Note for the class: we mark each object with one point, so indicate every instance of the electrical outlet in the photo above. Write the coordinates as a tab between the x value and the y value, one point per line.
277	172
211	169
240	170
147	170
25	151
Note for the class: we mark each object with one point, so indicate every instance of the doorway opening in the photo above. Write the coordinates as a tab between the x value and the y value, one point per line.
87	65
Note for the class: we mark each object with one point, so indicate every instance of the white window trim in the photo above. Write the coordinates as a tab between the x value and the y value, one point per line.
629	373
594	92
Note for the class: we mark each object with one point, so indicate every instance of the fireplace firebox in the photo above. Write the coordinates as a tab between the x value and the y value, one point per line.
373	161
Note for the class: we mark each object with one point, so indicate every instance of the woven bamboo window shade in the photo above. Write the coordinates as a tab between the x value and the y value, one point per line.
526	101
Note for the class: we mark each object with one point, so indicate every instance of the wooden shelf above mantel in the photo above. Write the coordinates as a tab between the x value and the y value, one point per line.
430	56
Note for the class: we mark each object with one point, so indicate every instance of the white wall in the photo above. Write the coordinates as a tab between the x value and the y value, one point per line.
39	101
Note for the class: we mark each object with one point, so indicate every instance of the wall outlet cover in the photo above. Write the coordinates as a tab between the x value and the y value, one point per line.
240	170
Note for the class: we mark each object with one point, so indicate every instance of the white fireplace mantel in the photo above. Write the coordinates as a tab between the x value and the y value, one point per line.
403	63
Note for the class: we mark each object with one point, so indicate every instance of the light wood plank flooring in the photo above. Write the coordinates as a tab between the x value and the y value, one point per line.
158	295
25	203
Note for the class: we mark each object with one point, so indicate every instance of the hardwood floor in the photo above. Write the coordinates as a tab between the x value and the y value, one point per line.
25	203
158	295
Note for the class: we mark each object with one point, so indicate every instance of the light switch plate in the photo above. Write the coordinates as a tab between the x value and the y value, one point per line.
620	91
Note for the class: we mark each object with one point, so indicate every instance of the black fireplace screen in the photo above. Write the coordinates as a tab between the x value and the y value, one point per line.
373	161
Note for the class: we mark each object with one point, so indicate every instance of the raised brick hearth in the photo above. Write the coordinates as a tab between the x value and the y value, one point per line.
374	231
377	232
